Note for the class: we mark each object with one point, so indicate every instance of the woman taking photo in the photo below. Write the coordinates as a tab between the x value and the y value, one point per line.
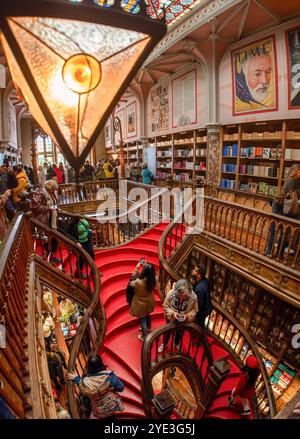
143	301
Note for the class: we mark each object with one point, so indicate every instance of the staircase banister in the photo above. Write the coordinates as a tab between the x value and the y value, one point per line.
272	216
256	352
9	239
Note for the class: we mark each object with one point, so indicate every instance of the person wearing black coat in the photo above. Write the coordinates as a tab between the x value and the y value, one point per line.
201	289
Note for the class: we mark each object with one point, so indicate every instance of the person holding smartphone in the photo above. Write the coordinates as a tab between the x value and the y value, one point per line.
143	301
180	305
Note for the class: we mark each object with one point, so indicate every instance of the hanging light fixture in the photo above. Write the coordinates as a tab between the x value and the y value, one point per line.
73	59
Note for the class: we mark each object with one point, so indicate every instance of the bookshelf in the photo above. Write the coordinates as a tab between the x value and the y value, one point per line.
180	157
256	156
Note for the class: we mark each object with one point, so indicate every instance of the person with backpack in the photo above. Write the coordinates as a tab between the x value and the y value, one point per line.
201	289
102	387
108	169
79	231
143	302
245	389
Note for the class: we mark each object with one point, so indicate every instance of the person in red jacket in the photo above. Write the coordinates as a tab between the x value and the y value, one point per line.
58	173
245	389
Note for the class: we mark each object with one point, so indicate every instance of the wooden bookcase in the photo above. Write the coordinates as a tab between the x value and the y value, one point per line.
180	157
256	156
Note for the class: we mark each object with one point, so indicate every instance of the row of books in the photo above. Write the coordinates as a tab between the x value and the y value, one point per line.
227	183
263	135
259	171
261	188
184	176
184	141
258	151
164	165
293	135
184	164
184	153
164	153
230	150
200	166
163	175
200	152
292	154
228	167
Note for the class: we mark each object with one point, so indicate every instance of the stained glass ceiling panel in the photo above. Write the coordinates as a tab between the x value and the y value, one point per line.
175	9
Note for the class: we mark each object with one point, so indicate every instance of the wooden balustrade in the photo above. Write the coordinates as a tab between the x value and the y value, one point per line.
220	324
85	191
15	254
192	355
92	328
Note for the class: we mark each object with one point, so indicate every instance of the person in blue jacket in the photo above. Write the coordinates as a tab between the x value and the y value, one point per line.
201	289
147	176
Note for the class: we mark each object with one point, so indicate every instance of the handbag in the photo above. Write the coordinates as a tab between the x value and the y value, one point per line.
130	290
291	205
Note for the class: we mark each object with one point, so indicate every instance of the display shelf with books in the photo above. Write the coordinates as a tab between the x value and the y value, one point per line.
256	156
200	153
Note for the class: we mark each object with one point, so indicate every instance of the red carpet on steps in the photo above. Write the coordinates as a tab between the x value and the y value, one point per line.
121	350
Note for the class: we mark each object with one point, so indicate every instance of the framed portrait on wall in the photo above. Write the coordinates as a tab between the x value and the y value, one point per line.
131	120
292	38
184	100
120	115
254	77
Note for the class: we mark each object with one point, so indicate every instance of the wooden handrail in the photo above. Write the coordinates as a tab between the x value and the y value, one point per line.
193	356
168	276
93	324
15	255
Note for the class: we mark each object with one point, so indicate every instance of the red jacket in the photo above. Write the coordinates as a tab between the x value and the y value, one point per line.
243	389
58	175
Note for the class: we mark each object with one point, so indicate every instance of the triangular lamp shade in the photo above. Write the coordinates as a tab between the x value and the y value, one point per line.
71	74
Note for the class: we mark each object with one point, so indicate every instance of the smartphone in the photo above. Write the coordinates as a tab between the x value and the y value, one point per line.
142	261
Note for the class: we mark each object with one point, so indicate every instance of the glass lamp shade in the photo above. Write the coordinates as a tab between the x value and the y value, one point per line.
72	72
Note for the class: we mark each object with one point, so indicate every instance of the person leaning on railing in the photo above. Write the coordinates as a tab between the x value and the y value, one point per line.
180	305
288	204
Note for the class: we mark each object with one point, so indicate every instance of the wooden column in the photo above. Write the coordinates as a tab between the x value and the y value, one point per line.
214	156
217	374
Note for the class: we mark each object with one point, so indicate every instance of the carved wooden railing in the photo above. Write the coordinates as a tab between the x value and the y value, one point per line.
266	234
85	191
192	356
15	254
91	331
235	338
130	221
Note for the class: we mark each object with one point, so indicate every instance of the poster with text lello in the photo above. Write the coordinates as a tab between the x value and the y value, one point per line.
254	77
131	120
293	60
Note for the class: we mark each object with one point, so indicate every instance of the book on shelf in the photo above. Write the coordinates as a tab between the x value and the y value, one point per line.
230	150
293	135
227	183
292	154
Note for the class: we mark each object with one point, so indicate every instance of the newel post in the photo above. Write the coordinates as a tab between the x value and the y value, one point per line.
217	374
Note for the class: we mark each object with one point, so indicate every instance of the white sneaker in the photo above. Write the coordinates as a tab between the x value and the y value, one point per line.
161	348
291	252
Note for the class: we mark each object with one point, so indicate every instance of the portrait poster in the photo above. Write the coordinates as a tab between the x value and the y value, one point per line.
131	120
120	115
254	77
108	133
293	61
184	109
160	108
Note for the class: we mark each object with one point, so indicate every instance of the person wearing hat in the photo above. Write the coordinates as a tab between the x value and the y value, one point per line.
245	389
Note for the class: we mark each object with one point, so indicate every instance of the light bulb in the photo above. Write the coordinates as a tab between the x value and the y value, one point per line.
81	73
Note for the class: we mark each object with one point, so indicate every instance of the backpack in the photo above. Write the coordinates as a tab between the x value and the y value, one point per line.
109	168
130	290
104	401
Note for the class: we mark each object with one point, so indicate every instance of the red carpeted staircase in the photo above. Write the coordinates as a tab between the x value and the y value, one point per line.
121	350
